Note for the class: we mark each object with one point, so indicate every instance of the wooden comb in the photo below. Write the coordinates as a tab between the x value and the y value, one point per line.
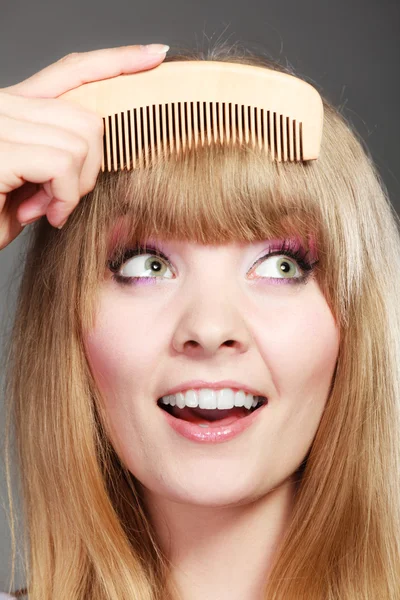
177	104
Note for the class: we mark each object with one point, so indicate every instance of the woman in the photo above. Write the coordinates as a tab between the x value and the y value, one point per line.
258	278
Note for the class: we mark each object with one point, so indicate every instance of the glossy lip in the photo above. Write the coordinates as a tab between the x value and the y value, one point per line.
216	385
213	435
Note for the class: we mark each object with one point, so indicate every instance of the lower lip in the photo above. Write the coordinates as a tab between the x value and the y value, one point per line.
213	435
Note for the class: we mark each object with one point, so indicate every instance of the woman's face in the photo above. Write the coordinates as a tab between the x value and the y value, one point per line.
212	313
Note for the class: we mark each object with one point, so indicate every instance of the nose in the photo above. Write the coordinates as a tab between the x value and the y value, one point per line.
211	322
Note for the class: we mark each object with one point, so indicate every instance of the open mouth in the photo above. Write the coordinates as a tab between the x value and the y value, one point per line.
207	415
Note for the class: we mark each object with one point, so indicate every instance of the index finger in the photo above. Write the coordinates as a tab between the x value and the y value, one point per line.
78	68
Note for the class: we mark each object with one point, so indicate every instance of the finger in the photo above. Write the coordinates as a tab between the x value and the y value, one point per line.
39	164
27	190
33	196
75	69
34	208
90	146
10	228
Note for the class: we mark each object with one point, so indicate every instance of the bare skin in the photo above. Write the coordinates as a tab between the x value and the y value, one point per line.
50	149
221	510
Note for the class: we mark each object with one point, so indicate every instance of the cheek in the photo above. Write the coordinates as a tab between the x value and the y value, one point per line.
300	347
120	350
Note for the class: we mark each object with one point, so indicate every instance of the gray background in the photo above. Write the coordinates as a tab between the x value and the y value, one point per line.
349	48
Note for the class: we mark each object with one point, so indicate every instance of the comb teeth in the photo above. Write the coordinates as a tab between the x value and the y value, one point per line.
133	137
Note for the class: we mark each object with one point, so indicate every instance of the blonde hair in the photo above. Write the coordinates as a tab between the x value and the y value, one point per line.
89	533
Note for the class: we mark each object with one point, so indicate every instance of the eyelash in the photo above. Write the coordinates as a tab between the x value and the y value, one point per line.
287	248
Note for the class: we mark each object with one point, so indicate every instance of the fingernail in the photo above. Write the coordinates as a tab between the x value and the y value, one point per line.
62	224
155	48
30	221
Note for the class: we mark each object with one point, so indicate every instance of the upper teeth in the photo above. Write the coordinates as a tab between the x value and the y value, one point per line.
207	398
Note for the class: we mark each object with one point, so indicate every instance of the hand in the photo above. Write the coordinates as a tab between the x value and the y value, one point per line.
50	149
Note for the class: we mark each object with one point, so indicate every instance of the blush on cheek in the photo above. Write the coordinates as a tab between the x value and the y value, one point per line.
95	351
107	348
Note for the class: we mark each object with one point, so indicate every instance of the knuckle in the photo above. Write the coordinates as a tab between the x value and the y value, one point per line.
81	149
72	56
90	124
65	162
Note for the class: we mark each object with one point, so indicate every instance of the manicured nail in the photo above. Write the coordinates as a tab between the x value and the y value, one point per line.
155	48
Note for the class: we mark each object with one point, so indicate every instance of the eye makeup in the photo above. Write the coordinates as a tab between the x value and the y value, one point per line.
290	248
293	249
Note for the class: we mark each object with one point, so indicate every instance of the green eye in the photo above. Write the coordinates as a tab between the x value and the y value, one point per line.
283	267
145	265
